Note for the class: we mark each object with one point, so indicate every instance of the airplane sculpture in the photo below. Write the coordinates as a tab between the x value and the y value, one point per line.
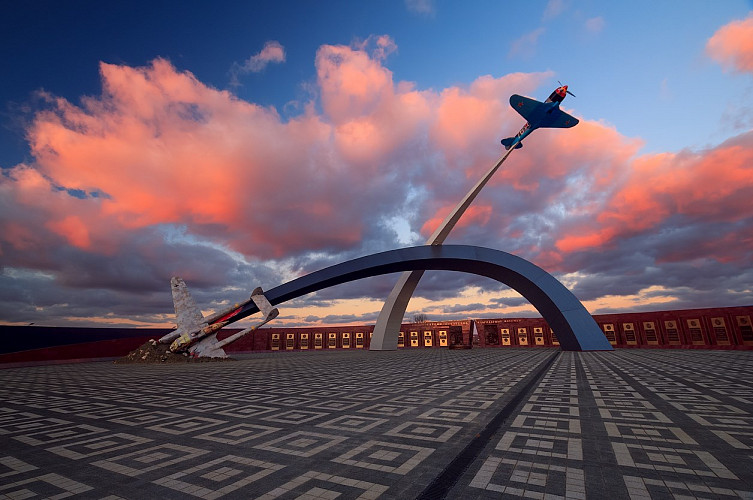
539	114
197	335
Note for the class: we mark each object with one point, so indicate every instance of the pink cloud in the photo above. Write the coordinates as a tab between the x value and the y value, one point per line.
160	148
371	115
732	45
378	47
593	150
475	215
72	228
165	149
708	187
352	83
464	119
273	52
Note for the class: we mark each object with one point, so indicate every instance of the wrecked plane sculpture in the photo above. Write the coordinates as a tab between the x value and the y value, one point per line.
196	335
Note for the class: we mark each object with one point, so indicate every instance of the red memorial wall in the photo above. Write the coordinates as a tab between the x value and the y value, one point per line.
711	328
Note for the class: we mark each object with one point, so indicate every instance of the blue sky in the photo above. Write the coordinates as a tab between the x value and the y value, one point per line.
646	55
648	94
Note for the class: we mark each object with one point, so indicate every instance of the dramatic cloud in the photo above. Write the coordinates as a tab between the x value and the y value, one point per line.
162	174
732	45
712	187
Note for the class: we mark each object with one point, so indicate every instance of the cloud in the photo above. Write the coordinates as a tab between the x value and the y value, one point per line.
553	9
165	149
510	301
162	174
424	7
377	47
732	45
464	308
273	52
595	25
525	46
710	187
166	161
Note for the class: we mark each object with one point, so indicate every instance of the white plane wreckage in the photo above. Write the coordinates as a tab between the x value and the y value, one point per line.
197	335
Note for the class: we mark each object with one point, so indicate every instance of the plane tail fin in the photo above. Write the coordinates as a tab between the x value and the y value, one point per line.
507	143
187	314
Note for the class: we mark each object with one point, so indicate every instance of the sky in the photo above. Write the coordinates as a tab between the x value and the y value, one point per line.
243	144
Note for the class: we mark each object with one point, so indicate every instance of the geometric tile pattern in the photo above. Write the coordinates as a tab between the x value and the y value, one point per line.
387	457
527	479
25	423
540	453
700	463
640	487
646	433
301	443
541	444
46	486
354	423
218	477
149	459
670	440
10	466
97	446
57	434
238	433
449	415
185	425
632	424
424	431
313	485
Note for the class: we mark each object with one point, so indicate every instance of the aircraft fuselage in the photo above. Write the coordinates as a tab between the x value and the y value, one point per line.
538	114
540	118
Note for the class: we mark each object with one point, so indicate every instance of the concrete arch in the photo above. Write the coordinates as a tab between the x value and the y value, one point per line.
575	328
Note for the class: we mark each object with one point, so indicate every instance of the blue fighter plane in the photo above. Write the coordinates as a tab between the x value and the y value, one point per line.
538	114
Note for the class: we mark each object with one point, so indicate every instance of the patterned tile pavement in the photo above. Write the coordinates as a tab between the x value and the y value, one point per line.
507	423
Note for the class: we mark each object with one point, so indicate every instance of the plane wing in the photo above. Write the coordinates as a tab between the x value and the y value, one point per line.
263	304
524	106
560	119
541	115
210	347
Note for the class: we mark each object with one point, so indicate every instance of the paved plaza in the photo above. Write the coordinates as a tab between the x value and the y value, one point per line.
428	423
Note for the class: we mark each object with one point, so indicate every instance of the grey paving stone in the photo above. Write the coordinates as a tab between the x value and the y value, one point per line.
629	423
